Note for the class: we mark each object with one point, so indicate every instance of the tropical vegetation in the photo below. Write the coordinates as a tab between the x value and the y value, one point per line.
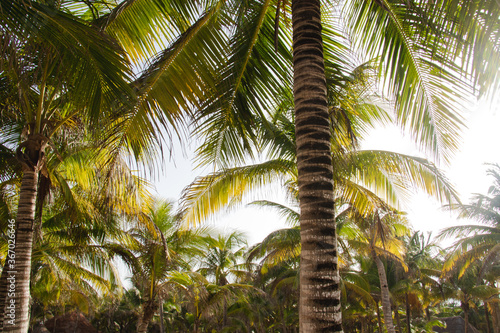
94	94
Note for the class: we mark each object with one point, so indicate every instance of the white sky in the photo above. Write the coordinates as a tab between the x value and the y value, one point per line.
466	171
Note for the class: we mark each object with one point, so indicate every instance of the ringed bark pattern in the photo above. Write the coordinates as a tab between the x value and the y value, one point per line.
319	279
19	289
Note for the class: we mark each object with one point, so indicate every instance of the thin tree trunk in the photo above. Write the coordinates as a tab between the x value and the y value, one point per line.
319	309
162	327
495	316
18	262
408	314
398	320
147	314
283	322
487	315
465	307
224	315
466	319
384	290
196	325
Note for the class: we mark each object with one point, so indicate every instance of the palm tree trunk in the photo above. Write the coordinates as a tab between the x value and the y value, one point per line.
487	316
148	311
384	291
319	308
408	313
465	308
162	327
283	321
224	315
495	316
18	263
363	324
3	293
398	320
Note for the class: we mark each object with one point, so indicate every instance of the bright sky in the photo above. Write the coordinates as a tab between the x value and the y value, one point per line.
467	172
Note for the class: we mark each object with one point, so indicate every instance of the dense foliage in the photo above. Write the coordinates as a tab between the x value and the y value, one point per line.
90	91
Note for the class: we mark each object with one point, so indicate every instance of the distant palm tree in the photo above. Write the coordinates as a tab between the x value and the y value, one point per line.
419	284
223	261
161	247
379	238
477	244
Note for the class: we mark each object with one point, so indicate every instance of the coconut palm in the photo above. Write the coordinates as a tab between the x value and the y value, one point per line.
204	301
56	68
384	172
466	289
419	285
162	246
410	45
76	236
223	262
406	46
477	243
378	239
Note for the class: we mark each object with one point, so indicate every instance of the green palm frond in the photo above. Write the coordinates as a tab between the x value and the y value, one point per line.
141	26
249	86
362	293
476	243
393	175
290	215
224	189
419	72
279	246
173	83
84	58
479	213
365	201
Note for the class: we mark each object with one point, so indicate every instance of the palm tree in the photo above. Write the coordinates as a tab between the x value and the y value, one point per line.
420	283
403	51
222	262
378	238
407	46
477	243
76	236
162	247
319	306
56	68
382	171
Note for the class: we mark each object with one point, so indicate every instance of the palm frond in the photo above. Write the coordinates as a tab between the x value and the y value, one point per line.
422	77
225	188
248	87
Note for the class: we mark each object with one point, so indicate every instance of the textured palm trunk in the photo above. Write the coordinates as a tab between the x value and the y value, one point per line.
18	263
224	314
495	316
487	316
384	291
3	293
398	320
465	307
408	313
162	325
319	308
364	325
148	310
